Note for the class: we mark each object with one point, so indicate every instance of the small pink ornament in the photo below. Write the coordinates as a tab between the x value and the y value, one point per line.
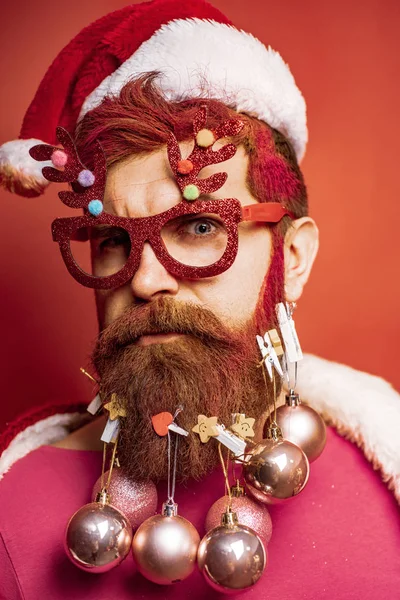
276	470
59	158
231	557
249	513
137	500
165	548
302	425
98	537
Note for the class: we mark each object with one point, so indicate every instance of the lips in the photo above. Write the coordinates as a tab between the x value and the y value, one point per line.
157	338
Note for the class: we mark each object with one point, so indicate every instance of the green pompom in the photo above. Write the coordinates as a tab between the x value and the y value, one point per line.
191	192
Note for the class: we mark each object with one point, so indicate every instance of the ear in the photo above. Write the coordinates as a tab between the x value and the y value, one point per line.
301	247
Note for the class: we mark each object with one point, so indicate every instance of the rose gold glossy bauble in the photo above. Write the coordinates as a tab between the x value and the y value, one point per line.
137	500
303	426
232	558
98	537
276	470
249	513
165	548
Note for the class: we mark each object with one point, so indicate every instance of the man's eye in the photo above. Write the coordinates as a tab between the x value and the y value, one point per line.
203	226
113	242
109	238
200	227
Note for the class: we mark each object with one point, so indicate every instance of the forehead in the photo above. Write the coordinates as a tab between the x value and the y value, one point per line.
144	185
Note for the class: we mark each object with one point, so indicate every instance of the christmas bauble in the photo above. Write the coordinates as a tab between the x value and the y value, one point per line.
276	470
232	558
249	513
165	548
98	537
303	426
137	500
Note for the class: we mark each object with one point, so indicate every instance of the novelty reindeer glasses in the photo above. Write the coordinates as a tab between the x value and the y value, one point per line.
194	239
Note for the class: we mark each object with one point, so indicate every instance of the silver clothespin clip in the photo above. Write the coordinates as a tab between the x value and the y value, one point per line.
269	355
111	430
95	405
288	330
174	427
231	441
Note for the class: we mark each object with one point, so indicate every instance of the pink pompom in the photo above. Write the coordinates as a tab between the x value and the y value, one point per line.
59	158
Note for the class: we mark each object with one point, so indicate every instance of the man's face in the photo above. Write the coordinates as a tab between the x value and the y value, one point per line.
168	341
145	186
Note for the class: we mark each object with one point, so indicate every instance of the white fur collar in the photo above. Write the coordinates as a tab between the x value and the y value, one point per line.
363	408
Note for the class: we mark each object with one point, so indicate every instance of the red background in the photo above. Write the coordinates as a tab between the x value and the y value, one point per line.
345	58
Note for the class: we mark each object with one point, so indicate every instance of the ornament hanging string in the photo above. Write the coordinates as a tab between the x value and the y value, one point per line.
286	370
112	462
103	466
114	452
171	485
274	385
224	469
263	368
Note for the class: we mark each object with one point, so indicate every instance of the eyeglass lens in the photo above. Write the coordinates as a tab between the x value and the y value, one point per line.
196	240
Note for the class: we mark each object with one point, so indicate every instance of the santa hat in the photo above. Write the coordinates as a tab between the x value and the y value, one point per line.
193	45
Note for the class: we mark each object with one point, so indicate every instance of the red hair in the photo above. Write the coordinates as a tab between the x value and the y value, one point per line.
139	121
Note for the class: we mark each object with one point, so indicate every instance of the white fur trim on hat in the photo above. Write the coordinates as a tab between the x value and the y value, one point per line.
203	58
19	170
16	153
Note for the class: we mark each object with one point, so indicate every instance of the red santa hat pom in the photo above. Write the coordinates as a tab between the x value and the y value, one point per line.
189	43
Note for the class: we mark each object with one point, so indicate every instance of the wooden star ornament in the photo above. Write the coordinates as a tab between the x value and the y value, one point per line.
206	427
243	426
115	408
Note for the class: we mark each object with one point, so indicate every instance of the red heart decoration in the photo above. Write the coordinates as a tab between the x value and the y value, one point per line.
161	422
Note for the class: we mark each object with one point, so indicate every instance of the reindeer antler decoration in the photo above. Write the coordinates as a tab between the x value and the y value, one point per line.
186	171
88	186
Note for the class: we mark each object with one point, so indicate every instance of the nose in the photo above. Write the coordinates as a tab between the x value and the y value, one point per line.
152	278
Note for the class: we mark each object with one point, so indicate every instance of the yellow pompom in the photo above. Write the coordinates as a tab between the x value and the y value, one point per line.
205	138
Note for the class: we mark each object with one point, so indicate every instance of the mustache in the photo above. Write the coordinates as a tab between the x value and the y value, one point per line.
164	315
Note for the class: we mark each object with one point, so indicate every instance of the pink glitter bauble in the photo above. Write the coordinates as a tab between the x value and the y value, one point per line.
249	512
137	500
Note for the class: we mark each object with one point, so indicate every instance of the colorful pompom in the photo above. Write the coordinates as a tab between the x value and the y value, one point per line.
185	166
95	207
191	192
59	158
205	138
86	178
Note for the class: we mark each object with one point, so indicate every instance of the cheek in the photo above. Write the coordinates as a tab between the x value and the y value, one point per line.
234	294
111	304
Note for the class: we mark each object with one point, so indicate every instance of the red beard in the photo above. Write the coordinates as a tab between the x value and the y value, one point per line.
211	370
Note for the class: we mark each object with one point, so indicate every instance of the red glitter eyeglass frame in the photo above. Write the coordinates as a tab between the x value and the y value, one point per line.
148	229
88	191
